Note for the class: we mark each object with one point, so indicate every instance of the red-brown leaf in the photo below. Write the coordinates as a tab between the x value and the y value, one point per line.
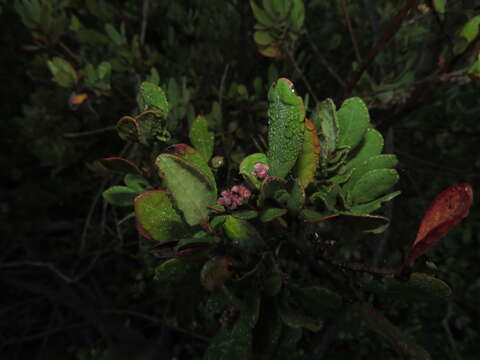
446	211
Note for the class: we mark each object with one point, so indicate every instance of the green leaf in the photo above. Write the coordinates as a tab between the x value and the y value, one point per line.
247	168
192	191
261	15
325	119
364	222
374	205
193	157
152	97
371	185
117	38
271	214
243	234
297	198
307	162
466	35
202	139
375	162
157	218
150	125
63	73
245	214
353	120
419	287
372	145
128	129
439	5
136	182
297	15
120	195
262	38
293	313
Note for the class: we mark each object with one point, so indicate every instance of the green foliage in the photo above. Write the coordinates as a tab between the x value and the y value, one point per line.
229	259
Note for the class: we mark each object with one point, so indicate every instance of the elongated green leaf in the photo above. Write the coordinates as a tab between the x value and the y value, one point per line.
419	287
307	162
261	15
467	34
372	145
152	97
136	182
353	120
372	184
192	191
157	218
369	207
376	162
201	138
120	195
325	119
63	73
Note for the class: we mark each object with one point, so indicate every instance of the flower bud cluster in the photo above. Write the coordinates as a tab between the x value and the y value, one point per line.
260	170
237	196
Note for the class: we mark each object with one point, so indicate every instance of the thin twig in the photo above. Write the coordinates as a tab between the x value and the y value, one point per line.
146	4
89	133
302	75
350	30
222	87
380	45
70	52
97	196
446	326
47	265
324	62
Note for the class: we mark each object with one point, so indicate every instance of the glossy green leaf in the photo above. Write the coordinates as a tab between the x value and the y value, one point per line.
307	162
372	185
247	168
372	145
364	222
201	138
157	218
376	162
242	234
353	121
63	73
191	190
152	97
120	195
286	114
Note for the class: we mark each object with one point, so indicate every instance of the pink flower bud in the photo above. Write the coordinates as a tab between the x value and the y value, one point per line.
260	170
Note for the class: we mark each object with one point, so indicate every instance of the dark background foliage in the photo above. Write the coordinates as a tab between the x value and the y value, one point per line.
73	284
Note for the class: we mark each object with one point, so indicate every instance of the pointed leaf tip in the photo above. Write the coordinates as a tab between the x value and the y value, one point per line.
446	211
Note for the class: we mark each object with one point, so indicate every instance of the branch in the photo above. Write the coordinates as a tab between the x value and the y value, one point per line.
350	30
89	133
380	45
